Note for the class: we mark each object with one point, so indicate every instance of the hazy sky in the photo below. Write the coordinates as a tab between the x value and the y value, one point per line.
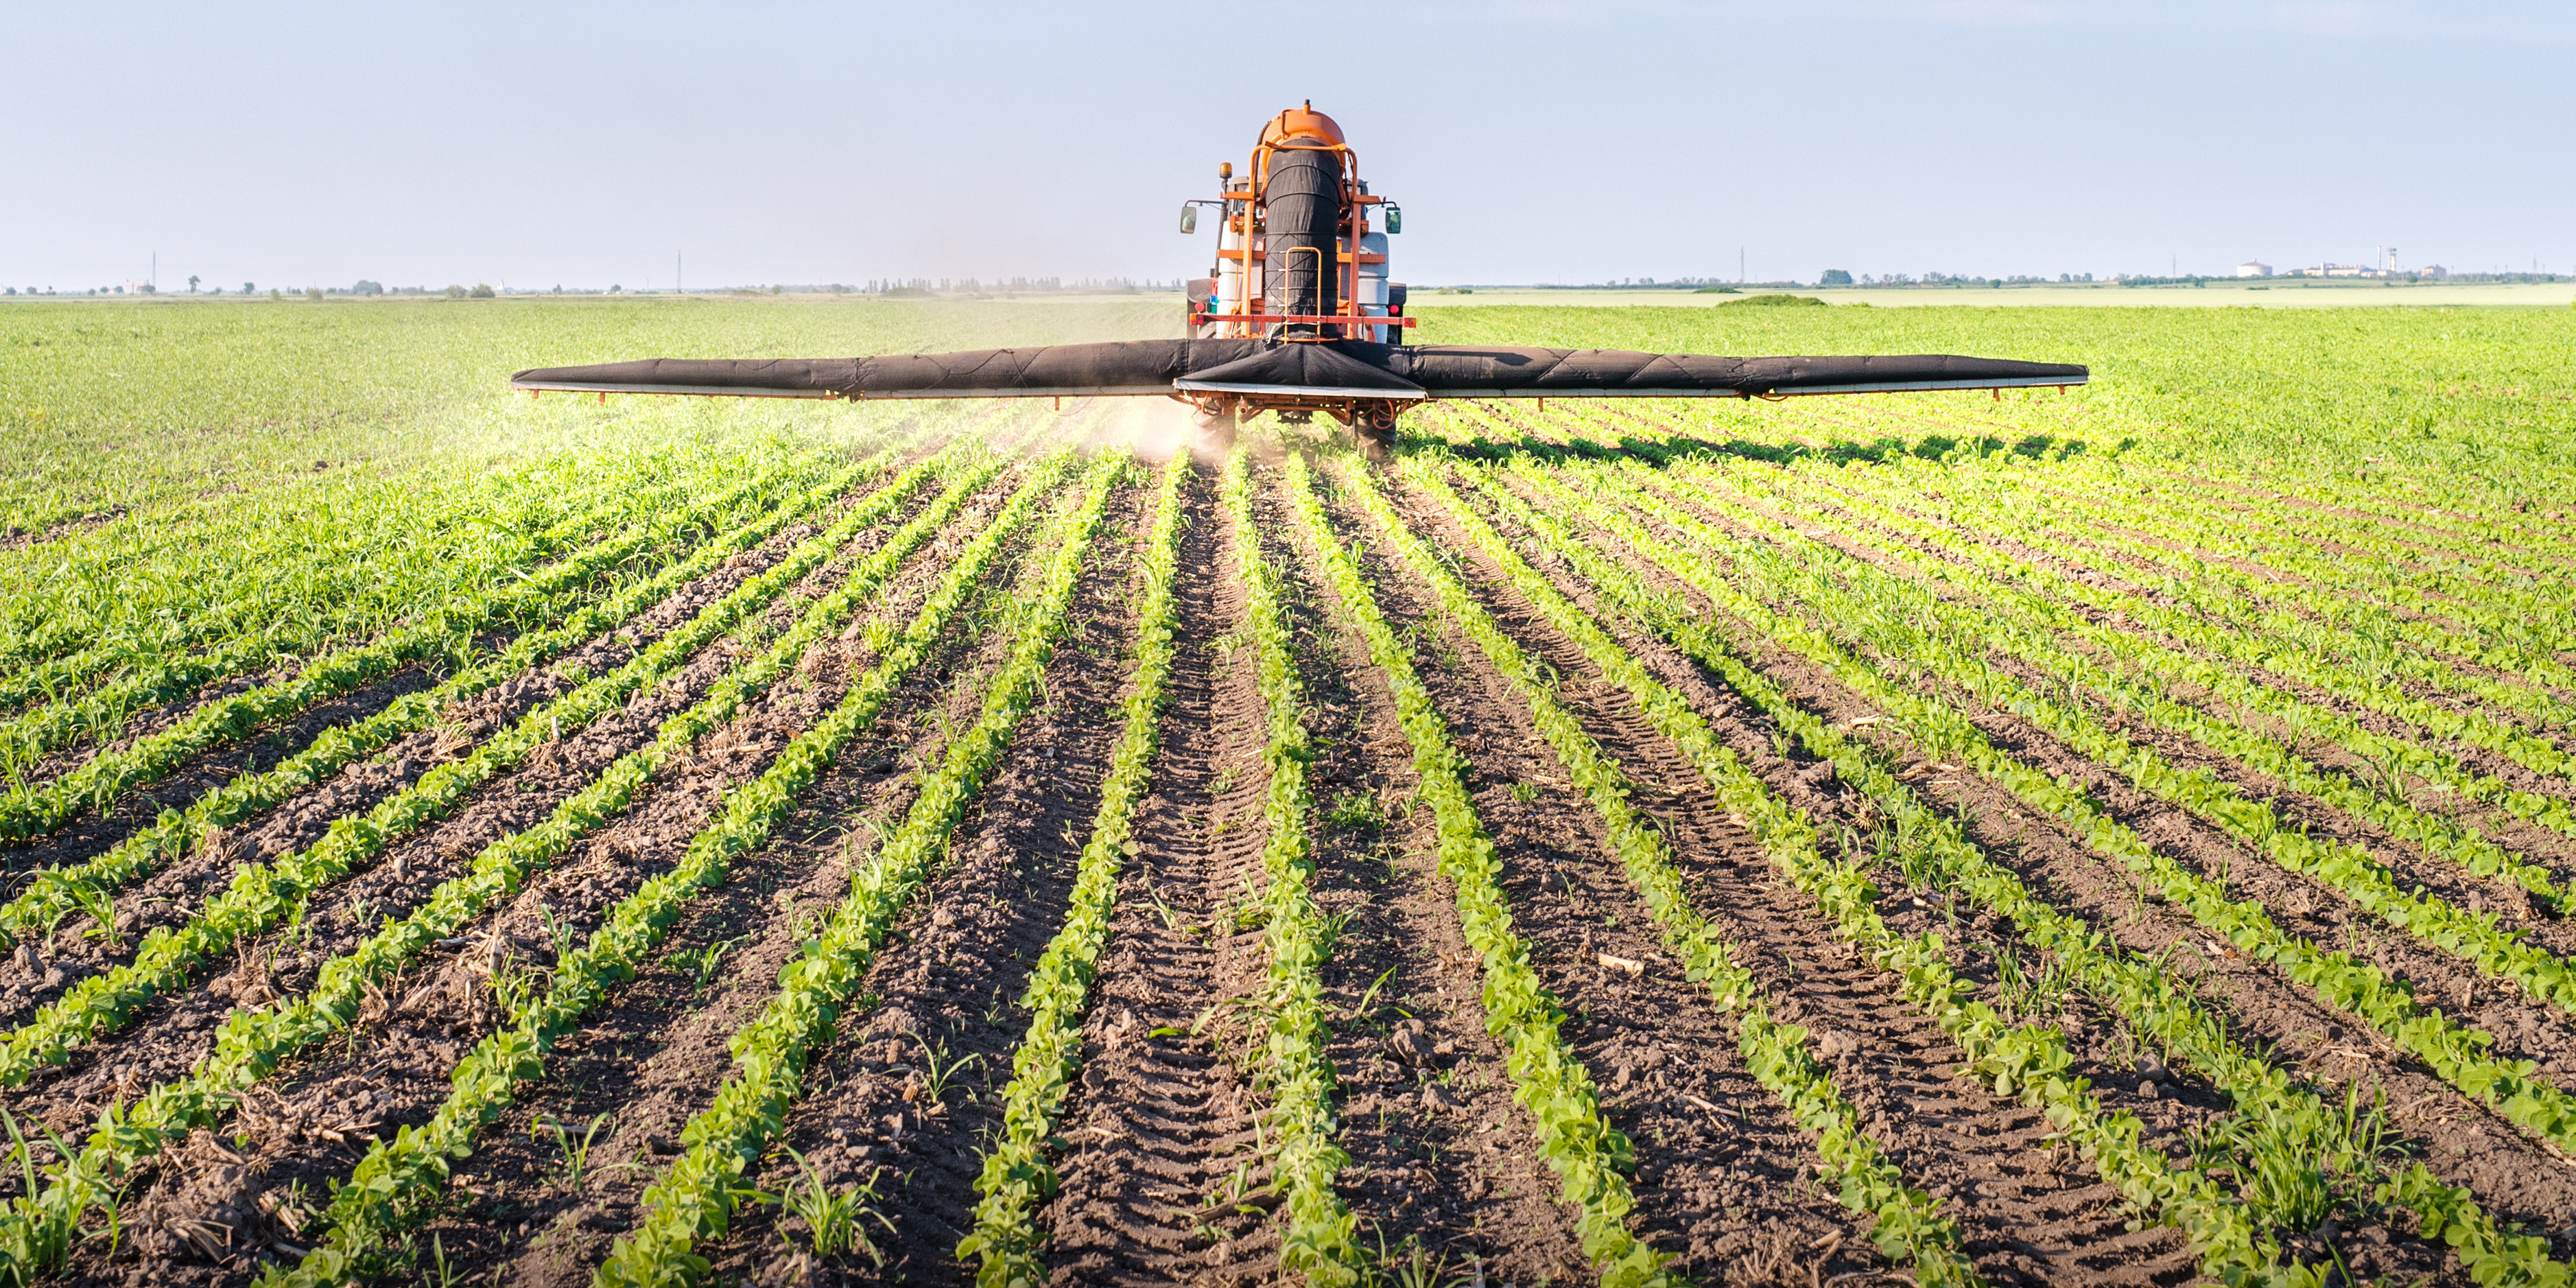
534	144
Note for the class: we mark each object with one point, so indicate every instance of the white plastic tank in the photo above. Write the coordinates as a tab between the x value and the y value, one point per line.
1229	271
1370	294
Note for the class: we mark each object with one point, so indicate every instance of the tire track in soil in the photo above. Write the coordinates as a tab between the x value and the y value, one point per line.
2462	1142
1453	1170
171	895
1164	1113
170	1036
2027	1214
312	1122
1721	1199
949	975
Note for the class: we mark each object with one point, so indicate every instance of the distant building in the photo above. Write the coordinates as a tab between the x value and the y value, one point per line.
2253	268
2434	273
136	287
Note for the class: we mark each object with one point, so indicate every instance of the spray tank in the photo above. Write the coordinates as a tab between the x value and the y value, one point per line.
1299	249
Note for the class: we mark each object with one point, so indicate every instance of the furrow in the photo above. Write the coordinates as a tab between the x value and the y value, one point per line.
391	1185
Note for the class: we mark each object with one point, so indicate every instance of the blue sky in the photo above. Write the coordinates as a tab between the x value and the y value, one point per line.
1539	142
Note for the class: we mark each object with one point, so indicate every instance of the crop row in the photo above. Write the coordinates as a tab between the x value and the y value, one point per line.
1016	1175
1896	605
695	1197
2299	1151
1588	1155
261	895
2143	690
397	1178
1318	1241
2293	655
261	584
2457	1055
36	1230
447	632
57	891
2359	595
441	618
2322	637
1906	1224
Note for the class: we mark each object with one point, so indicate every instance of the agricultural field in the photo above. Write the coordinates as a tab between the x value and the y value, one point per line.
2119	836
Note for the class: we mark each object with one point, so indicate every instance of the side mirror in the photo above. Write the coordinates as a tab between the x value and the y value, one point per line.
1395	219
1189	217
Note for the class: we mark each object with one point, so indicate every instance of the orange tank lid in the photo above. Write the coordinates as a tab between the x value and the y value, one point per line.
1304	121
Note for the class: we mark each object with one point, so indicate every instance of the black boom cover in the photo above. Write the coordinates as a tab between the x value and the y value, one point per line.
1341	368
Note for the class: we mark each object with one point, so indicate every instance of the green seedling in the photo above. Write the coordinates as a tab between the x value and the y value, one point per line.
573	1156
512	989
1411	1265
1171	917
704	962
448	1275
1524	792
559	932
1356	812
833	1221
938	1069
1369	998
101	909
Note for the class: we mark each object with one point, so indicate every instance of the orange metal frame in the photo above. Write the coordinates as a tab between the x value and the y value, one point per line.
1252	197
1326	318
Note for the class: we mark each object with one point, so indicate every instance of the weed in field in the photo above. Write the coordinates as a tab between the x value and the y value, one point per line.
100	907
2028	994
834	1220
1356	812
939	1069
572	1156
703	963
1412	1265
1171	916
449	1275
560	933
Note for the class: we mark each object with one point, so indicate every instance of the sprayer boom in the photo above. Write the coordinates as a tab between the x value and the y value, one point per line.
1298	316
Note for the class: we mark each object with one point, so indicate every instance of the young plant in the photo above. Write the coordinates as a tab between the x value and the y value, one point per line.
1016	1174
769	1052
572	1156
938	1069
703	963
834	1220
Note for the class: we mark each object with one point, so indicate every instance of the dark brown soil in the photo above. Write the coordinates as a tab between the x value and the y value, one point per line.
1161	1148
299	1128
1163	1116
1441	1165
173	894
1710	1184
946	985
2517	1181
